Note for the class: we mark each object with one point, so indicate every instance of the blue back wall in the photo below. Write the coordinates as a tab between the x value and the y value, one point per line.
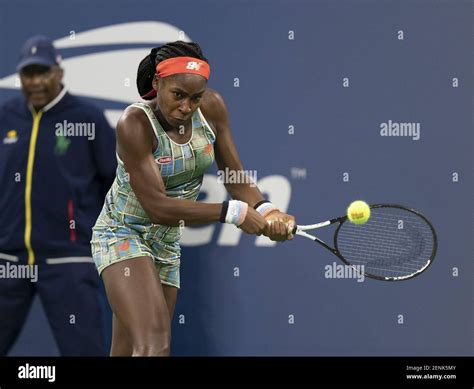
334	71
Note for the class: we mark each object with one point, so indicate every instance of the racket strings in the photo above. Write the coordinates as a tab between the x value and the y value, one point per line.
385	257
398	248
389	241
393	243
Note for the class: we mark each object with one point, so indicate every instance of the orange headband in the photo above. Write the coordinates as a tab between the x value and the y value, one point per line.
178	65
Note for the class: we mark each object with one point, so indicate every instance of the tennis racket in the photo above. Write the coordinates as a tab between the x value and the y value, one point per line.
395	244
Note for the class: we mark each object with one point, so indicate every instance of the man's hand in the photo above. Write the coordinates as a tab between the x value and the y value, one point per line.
279	226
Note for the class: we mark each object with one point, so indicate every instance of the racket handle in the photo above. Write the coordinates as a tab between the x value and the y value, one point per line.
294	229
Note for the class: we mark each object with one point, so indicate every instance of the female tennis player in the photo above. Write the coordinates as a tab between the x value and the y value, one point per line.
164	146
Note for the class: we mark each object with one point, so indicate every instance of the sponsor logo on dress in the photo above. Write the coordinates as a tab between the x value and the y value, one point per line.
163	160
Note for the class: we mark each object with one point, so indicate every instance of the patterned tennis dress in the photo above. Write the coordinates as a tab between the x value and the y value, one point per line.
124	231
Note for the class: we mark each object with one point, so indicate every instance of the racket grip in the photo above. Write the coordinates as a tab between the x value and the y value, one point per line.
294	229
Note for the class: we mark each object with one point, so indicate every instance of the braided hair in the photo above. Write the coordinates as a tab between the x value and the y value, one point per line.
147	67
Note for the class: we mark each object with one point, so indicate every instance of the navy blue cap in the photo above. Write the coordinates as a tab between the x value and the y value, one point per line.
38	50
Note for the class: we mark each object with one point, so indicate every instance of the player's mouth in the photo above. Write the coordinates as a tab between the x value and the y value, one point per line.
180	120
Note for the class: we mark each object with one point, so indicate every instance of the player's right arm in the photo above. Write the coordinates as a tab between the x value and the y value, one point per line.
134	146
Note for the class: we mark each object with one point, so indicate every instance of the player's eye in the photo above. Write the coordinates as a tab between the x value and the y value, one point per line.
178	95
197	98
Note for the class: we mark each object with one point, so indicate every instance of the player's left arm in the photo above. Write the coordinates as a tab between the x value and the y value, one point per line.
215	111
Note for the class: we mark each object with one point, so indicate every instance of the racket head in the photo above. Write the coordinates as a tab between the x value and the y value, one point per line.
396	243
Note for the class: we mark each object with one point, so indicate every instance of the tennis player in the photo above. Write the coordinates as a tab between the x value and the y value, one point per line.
164	146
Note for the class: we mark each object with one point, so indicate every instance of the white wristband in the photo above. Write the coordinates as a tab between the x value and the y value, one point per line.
265	208
236	212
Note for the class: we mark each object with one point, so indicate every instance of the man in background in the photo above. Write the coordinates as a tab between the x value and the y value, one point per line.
57	162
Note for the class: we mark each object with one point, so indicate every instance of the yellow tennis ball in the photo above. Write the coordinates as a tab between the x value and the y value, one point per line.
358	212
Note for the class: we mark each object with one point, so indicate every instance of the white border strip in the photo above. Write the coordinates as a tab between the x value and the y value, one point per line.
9	257
57	261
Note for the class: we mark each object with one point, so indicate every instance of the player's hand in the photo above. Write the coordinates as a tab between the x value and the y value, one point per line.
279	226
254	223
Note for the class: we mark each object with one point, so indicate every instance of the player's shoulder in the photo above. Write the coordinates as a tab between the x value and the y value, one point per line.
134	130
132	114
133	121
211	99
213	107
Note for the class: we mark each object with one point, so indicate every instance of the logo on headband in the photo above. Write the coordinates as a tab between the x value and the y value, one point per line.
178	65
192	65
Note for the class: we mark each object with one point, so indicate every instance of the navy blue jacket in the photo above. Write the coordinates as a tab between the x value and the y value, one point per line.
55	168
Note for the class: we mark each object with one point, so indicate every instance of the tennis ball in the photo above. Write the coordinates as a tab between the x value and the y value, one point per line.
358	212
